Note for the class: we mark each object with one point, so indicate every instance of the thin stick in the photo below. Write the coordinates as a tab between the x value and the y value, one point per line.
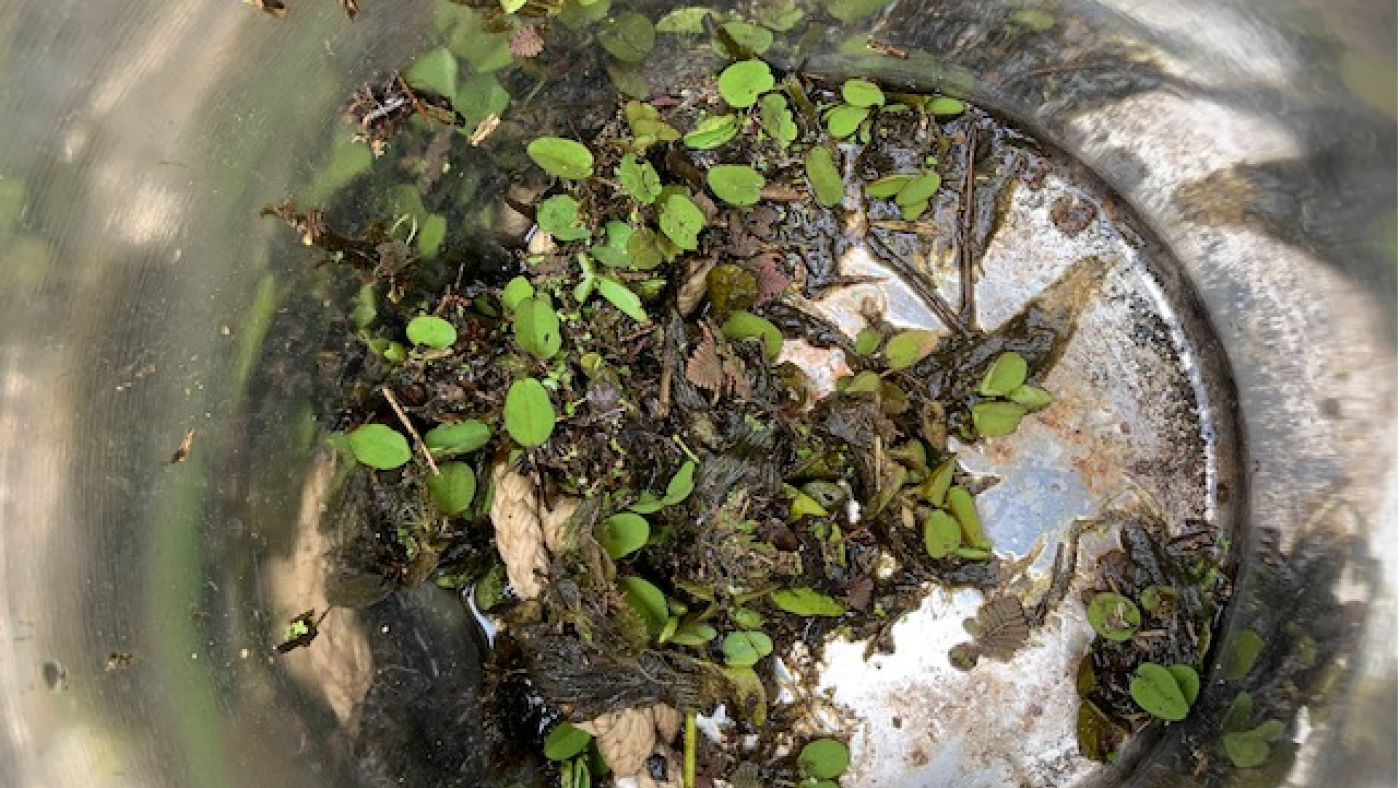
688	770
403	419
965	263
918	283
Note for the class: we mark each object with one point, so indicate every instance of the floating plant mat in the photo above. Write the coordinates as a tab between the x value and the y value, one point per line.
720	403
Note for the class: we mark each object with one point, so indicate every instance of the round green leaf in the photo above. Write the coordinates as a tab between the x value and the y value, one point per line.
1155	689
453	487
735	184
559	216
862	93
565	741
629	37
806	602
431	331
941	534
561	157
529	413
919	189
995	419
1006	374
623	533
844	120
536	326
515	291
379	447
639	179
745	649
1114	616
742	83
449	440
827	186
908	348
681	221
823	759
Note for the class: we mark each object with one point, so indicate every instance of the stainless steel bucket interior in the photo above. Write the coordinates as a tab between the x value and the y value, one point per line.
1256	140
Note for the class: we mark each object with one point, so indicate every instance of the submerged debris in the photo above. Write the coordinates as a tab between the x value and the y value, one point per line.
604	430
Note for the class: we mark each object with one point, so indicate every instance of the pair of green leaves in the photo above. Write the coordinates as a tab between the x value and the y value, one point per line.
1248	747
1165	692
911	192
743	649
452	488
385	448
953	527
1005	381
681	484
859	98
626	532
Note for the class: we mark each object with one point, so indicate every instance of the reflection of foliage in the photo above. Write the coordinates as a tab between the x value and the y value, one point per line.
1289	651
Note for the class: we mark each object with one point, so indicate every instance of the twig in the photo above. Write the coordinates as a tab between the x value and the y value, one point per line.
408	425
918	283
688	770
965	262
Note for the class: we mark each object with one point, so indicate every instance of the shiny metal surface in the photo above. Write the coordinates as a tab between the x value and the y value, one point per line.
139	599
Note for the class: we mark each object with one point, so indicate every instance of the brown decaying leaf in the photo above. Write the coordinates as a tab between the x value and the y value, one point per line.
527	42
1002	626
705	370
772	280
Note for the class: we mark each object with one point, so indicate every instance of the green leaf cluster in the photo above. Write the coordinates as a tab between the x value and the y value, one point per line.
1165	692
953	526
1009	397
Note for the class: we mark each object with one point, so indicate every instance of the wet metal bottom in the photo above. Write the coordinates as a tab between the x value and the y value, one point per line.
1142	422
